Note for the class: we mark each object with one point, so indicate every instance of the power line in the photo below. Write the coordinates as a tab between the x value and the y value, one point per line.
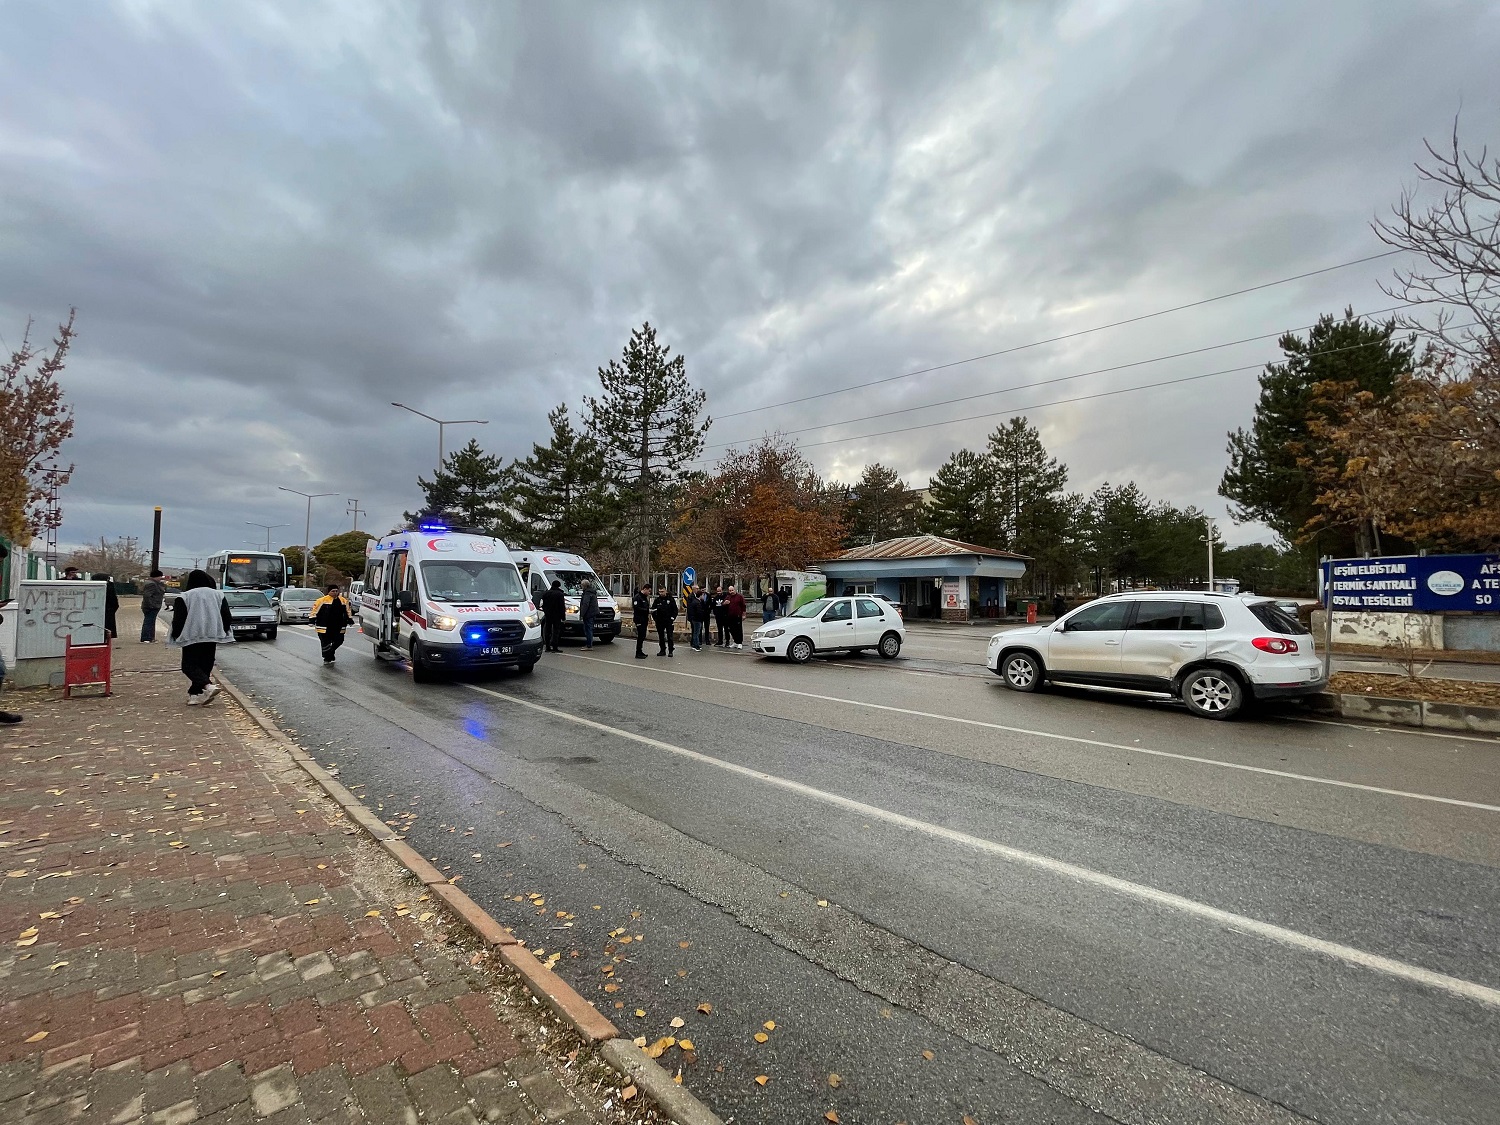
1061	378
1081	398
1065	336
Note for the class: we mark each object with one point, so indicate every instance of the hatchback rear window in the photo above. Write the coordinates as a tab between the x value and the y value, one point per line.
1277	620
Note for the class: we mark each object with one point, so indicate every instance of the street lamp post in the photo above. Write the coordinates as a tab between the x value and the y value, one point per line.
441	422
268	528
307	530
1208	523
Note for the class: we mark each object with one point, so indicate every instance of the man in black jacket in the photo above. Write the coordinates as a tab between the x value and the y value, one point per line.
720	616
330	616
640	608
554	609
664	613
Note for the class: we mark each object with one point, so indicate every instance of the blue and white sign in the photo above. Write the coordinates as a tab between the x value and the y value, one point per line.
1415	584
689	576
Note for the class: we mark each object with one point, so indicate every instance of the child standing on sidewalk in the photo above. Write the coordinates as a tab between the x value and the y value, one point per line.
200	623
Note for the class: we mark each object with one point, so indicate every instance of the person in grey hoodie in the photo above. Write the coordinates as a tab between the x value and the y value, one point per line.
153	593
200	623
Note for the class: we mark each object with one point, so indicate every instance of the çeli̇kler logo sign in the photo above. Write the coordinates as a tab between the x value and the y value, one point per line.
1445	582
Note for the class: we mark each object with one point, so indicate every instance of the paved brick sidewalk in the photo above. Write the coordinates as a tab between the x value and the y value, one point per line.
193	933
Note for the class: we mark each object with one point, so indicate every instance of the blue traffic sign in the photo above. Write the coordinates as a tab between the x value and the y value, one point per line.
1415	583
689	576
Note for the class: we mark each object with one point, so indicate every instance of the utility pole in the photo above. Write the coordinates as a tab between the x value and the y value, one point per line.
1208	523
353	509
267	527
307	529
156	540
441	422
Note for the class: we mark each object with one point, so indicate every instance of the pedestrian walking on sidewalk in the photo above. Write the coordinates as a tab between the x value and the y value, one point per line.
554	609
664	613
111	605
588	611
1059	606
200	623
330	616
720	617
7	717
640	608
734	617
697	616
153	593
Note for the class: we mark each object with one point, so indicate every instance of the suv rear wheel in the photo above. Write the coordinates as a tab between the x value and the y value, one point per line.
1212	693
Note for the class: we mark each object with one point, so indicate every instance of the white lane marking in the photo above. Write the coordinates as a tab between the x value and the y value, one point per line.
1068	738
1456	986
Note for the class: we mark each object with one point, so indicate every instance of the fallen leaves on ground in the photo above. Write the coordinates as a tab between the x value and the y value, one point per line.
657	1049
832	1115
685	1044
628	1093
969	1120
705	1008
761	1037
761	1079
37	1038
835	1081
678	1021
769	1025
928	1055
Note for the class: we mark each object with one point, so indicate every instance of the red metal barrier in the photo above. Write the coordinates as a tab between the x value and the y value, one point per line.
84	666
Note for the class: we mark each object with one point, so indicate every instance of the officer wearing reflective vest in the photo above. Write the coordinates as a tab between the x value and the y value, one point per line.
330	615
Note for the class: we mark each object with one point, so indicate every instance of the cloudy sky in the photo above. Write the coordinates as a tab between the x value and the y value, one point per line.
276	218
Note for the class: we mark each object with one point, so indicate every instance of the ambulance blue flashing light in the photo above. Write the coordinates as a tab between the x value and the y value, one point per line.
432	527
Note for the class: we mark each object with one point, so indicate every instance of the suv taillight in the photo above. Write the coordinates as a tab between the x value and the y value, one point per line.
1277	645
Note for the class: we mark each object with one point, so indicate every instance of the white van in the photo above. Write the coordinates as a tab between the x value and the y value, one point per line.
541	568
447	598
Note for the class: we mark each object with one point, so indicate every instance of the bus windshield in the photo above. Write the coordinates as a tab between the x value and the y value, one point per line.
572	580
473	581
254	572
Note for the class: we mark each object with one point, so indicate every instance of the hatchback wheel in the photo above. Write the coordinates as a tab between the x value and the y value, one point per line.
1212	693
890	646
799	651
1021	671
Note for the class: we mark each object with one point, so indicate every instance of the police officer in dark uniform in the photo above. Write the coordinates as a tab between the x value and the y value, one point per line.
640	607
664	613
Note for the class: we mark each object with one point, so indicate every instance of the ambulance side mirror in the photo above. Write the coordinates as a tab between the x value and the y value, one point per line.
404	600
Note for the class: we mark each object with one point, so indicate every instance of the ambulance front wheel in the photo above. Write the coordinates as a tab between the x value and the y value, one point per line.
421	672
527	667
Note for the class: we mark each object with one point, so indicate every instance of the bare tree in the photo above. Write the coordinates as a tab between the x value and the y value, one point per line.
1459	236
123	559
34	422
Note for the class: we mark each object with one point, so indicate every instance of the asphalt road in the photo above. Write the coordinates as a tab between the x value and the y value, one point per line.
1082	909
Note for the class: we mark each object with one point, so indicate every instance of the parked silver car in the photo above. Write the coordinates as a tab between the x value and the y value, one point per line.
1211	651
296	605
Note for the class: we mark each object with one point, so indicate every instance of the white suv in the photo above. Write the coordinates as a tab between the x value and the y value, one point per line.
1212	651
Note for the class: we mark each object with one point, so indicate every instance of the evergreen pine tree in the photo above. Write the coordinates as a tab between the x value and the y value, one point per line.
470	487
562	495
881	506
1027	481
961	500
648	425
1271	475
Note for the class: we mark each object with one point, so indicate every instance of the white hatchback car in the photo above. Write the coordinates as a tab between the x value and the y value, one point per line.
833	624
1212	651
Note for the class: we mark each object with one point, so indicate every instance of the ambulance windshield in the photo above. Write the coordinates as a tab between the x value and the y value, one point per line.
473	582
573	580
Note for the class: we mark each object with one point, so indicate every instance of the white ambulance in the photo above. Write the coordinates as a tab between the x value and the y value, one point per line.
541	568
447	598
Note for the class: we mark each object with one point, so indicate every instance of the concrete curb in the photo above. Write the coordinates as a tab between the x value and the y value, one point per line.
1409	712
586	1021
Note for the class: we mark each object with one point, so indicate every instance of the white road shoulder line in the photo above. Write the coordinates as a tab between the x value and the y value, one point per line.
1064	737
1401	970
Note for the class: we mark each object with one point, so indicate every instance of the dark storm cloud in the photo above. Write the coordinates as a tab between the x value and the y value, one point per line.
276	218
